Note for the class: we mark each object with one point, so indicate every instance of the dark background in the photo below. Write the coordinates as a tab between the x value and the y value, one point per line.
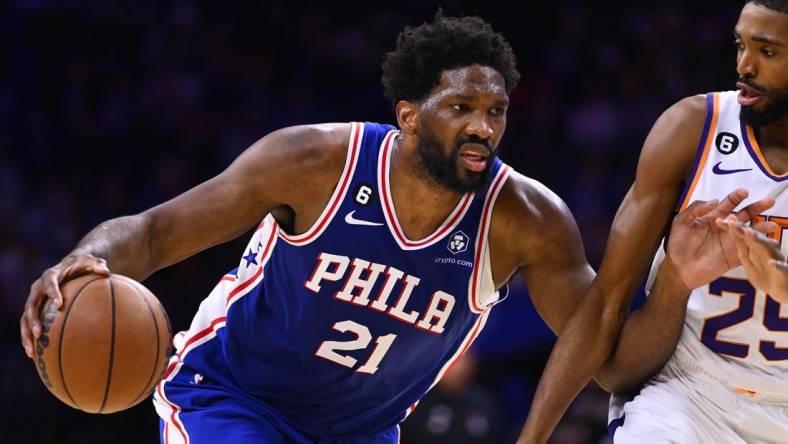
109	107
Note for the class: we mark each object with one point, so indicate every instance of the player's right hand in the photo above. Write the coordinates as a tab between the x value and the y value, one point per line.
48	286
761	257
701	249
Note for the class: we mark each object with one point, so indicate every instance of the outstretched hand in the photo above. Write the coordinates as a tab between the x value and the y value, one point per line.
703	250
761	258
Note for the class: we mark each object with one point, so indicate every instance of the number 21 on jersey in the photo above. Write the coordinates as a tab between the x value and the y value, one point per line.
363	338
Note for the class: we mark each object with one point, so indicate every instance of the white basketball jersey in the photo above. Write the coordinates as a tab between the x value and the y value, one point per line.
734	333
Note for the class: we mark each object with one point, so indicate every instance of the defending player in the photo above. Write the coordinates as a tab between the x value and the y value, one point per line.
726	381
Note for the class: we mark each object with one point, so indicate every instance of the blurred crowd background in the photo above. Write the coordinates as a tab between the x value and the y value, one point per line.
109	107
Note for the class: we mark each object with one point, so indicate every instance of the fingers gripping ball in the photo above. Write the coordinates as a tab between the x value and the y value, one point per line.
107	348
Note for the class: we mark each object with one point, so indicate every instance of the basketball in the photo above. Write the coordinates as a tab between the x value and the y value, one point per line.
108	346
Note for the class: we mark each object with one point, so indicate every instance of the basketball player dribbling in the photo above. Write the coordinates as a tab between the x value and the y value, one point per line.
379	256
727	381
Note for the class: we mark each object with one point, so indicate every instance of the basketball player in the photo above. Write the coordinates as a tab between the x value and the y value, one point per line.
727	381
378	258
762	259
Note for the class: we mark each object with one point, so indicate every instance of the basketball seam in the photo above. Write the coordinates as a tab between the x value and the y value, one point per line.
111	347
158	344
60	341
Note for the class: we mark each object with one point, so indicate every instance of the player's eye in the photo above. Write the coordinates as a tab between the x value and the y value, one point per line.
461	107
738	44
768	52
497	112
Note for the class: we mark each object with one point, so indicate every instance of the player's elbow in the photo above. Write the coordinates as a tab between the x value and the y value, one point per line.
612	313
601	327
613	319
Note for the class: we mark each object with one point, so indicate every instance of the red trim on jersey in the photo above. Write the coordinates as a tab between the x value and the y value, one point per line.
466	343
243	286
169	370
387	271
173	418
263	261
429	321
481	237
474	333
336	198
210	330
205	332
391	216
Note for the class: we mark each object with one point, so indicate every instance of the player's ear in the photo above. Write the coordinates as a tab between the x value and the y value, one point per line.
407	117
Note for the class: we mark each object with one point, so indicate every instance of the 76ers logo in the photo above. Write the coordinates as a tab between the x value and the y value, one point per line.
458	242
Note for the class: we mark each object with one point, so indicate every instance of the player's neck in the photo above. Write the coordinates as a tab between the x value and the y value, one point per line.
774	135
420	202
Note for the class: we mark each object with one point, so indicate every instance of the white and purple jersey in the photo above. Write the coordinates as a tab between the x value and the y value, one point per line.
727	381
341	329
734	332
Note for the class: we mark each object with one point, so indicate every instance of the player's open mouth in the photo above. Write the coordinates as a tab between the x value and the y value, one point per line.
475	159
748	96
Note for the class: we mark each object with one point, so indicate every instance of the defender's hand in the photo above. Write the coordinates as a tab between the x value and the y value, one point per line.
700	249
761	258
48	286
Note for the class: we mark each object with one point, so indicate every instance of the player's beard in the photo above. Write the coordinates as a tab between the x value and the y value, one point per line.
776	109
444	169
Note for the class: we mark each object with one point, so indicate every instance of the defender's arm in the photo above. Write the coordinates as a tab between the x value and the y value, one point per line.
591	334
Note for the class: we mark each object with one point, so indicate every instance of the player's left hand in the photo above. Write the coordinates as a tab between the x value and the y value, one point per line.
761	258
699	248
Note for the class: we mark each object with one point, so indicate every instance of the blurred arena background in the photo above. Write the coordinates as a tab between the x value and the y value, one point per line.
109	107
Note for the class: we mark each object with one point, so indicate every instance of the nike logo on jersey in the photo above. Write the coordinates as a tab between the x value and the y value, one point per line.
353	221
718	170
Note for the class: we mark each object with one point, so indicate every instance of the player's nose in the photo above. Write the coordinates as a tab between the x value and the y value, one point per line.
746	65
479	126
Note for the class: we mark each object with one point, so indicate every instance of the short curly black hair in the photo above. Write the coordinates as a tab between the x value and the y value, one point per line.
424	52
776	5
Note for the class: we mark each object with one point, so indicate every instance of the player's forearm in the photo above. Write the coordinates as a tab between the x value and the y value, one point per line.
649	336
125	243
583	346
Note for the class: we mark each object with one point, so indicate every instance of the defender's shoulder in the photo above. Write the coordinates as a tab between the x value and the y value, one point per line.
687	115
692	105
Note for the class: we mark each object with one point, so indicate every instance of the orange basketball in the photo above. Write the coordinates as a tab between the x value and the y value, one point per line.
108	346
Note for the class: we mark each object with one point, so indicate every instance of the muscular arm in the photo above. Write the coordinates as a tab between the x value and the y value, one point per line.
290	172
547	250
268	175
591	334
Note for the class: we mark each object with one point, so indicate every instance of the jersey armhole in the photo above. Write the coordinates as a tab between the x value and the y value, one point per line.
481	288
702	152
333	204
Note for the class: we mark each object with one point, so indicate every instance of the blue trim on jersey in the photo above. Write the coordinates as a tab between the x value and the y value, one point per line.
701	145
614	426
748	143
